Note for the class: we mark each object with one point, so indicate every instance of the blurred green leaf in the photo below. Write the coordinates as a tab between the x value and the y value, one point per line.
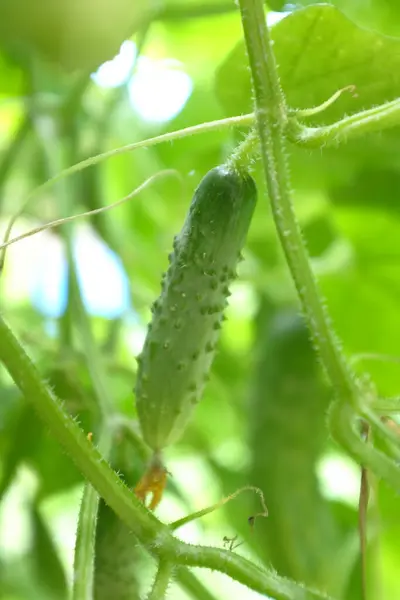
32	444
22	444
319	51
276	4
77	35
382	15
385	539
47	563
13	80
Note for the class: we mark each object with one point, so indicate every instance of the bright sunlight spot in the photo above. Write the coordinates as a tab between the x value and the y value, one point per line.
158	89
340	478
116	72
103	282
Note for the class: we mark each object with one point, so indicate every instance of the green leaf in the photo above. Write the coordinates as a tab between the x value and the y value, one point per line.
382	15
12	78
276	4
365	214
47	564
23	442
187	43
319	51
32	443
74	35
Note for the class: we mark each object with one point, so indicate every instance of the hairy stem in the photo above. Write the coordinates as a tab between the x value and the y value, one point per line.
89	213
85	455
375	119
162	580
205	511
271	117
82	584
245	152
244	571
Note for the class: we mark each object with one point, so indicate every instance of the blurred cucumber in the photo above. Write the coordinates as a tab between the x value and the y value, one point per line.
288	435
116	559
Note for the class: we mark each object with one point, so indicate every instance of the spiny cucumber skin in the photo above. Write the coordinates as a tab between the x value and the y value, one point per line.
187	317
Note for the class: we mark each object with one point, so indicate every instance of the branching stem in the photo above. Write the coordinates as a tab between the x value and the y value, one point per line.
271	119
144	525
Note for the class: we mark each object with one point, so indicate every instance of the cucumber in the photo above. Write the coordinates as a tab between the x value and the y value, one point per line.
117	559
182	336
287	415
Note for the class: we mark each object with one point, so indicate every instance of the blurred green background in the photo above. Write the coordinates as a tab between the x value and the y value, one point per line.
80	78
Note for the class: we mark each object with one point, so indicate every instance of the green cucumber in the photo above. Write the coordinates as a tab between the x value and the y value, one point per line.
117	559
187	317
288	412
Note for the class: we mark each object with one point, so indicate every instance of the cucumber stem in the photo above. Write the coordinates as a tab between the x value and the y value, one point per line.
245	153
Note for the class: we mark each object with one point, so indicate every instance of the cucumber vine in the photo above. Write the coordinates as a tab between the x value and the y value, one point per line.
273	125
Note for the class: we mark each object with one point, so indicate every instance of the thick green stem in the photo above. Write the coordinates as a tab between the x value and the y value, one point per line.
85	455
271	117
244	571
162	580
